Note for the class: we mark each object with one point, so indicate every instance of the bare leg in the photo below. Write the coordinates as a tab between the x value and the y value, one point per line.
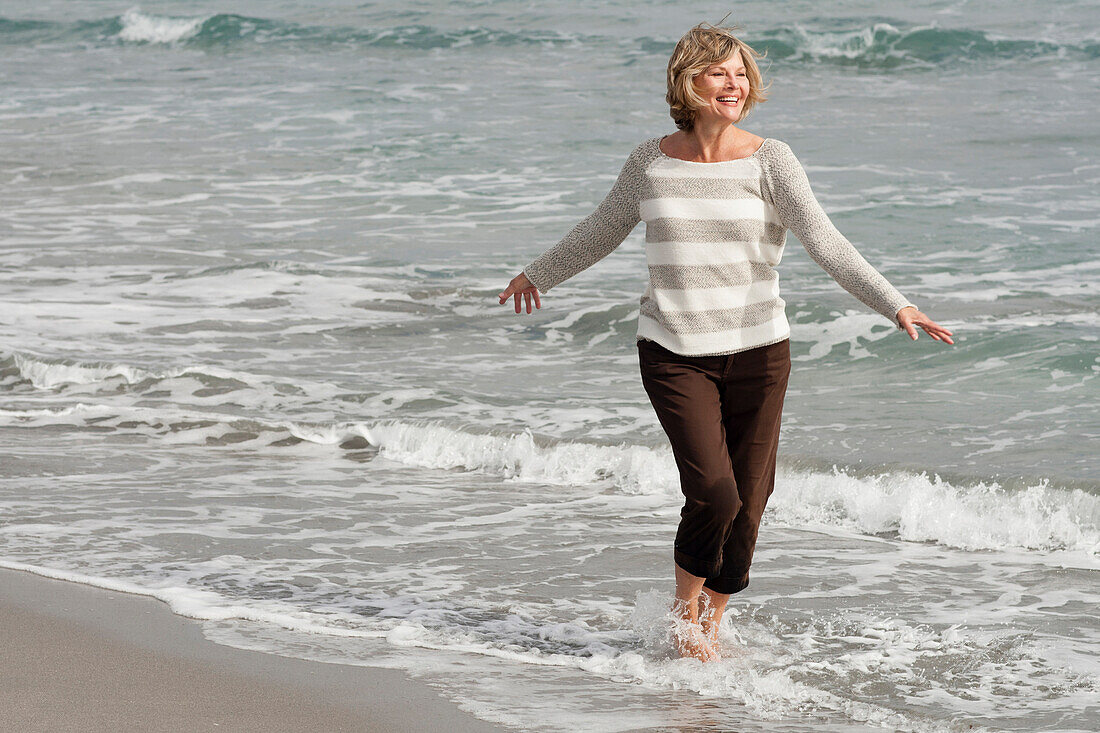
691	640
711	607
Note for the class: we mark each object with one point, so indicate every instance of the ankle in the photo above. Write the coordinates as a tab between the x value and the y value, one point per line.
686	611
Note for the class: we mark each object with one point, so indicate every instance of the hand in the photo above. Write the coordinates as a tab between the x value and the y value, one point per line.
909	317
521	286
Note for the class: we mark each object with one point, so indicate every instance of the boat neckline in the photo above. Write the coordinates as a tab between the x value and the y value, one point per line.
663	154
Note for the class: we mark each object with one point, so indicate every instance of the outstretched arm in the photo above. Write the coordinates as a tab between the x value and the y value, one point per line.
595	237
800	212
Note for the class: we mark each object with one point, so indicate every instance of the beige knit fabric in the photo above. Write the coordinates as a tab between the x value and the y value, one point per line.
714	234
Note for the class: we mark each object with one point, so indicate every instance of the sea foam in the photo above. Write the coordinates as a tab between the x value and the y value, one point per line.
140	28
915	506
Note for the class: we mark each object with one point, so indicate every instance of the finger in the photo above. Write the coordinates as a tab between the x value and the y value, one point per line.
516	300
527	300
937	332
504	295
911	331
927	323
538	303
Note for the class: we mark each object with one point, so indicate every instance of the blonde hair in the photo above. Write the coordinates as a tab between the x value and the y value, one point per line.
702	47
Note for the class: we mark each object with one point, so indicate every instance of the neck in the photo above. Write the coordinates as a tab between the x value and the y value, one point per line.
712	138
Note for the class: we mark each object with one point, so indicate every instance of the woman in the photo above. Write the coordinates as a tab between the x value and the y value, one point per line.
713	339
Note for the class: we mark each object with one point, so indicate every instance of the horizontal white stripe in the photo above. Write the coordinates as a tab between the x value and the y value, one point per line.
705	299
665	167
709	343
711	253
707	209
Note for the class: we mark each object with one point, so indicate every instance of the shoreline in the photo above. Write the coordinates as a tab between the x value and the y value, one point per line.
81	658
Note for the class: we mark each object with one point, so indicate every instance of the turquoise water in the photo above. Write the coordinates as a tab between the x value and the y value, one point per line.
252	360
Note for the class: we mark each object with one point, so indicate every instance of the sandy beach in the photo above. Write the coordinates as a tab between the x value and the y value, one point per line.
258	390
77	658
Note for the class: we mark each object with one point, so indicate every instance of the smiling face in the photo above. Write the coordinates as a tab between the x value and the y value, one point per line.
724	88
708	67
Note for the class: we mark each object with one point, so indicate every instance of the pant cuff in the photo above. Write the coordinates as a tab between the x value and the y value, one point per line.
695	566
727	585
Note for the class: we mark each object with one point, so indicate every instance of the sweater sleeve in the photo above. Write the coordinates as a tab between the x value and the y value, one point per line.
800	212
597	235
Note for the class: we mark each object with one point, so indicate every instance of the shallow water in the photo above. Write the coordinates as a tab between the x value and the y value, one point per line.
252	361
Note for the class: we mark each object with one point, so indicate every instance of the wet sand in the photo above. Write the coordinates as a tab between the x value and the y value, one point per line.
77	658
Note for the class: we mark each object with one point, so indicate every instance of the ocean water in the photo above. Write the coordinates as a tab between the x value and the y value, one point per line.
252	361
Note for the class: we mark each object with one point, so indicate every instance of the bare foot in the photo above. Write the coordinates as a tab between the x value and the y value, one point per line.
692	641
710	629
712	606
710	618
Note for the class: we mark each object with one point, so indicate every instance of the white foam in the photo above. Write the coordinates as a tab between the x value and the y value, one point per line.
198	604
850	328
774	668
55	412
916	506
140	28
517	457
848	44
922	508
758	669
46	374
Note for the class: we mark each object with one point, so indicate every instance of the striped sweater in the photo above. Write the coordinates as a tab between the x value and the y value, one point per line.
714	235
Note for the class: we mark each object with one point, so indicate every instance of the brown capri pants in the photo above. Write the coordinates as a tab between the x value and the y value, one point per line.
721	414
